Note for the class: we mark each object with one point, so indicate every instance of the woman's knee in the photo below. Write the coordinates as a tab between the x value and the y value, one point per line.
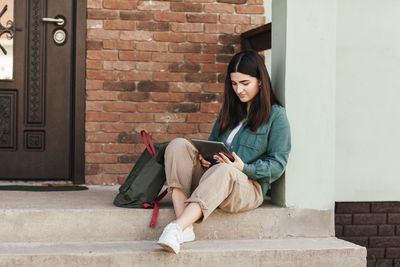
176	144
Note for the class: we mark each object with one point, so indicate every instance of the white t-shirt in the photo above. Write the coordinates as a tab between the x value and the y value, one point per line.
232	134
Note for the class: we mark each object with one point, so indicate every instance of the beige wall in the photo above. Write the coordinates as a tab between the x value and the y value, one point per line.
367	101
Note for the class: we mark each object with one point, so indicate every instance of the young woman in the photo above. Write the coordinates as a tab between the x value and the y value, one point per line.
254	127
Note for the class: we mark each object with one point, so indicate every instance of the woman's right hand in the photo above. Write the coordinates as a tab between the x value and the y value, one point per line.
204	162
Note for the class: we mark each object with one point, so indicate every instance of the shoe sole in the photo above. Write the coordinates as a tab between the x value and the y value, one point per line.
167	247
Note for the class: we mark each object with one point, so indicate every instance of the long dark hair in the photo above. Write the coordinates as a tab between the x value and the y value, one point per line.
233	110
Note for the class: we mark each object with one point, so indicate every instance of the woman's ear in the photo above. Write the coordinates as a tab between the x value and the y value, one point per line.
259	83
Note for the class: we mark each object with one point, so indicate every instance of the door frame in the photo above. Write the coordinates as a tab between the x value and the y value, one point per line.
79	92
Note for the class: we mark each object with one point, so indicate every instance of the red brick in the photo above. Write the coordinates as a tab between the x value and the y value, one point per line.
185	48
201	117
101	137
384	241
255	2
92	148
136	35
186	7
228	39
102	34
151	127
257	20
102	14
117	168
362	241
134	96
152	26
119	65
352	207
184	67
244	28
386	230
217	49
151	107
394	218
94	64
94	45
373	218
169	37
102	55
360	230
210	107
94	84
202	18
206	58
234	19
136	117
385	207
135	76
118	148
120	4
185	87
393	253
94	24
100	158
149	46
183	108
94	106
166	57
119	107
200	77
169	117
219	8
153	5
187	27
91	169
167	97
119	25
169	16
94	4
244	9
119	86
219	28
206	127
151	66
101	179
101	75
148	86
92	127
398	230
101	95
338	230
126	138
101	116
134	56
136	15
168	77
197	136
202	38
182	128
375	253
343	219
117	127
127	158
214	68
164	137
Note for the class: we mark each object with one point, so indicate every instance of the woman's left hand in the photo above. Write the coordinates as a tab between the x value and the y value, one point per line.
238	163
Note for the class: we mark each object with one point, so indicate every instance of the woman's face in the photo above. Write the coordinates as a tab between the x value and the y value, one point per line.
245	86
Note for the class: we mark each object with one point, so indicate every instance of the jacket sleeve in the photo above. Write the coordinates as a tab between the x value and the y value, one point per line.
272	164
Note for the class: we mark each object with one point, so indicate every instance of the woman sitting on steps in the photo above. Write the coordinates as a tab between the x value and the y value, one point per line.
254	127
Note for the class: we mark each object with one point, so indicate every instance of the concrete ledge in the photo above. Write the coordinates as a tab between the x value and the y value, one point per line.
299	252
91	216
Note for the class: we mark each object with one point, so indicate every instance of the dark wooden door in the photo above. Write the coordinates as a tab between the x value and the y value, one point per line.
36	106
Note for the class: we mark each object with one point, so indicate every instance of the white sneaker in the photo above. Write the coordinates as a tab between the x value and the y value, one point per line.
188	234
171	238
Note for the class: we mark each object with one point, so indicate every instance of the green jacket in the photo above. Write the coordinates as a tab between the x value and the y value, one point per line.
264	152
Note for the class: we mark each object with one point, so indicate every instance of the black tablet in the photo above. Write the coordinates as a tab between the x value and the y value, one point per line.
209	148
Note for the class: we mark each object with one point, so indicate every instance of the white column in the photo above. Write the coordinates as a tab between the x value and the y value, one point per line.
304	78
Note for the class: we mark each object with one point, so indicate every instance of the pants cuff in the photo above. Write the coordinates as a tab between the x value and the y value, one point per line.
203	207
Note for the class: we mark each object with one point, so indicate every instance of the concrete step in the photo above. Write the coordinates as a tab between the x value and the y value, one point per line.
289	252
91	216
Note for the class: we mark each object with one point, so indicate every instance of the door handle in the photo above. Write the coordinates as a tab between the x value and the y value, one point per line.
58	21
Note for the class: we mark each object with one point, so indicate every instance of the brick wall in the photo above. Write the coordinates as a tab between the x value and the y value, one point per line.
375	225
155	65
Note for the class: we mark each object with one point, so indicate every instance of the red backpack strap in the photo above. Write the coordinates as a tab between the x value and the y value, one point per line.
147	141
156	205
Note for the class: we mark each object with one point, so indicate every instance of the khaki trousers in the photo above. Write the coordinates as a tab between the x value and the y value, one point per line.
218	186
